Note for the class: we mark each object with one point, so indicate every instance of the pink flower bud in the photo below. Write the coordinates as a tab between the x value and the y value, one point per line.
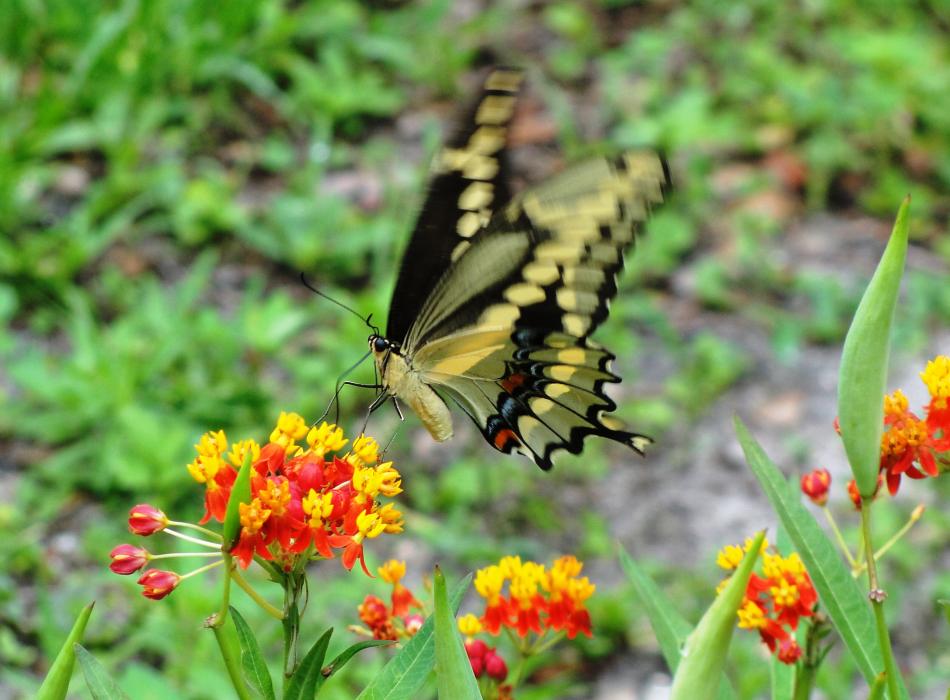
413	623
156	584
127	559
146	520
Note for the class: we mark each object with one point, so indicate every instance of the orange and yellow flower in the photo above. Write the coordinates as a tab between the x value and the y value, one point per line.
775	599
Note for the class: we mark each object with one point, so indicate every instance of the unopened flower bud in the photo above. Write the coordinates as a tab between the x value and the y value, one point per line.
495	666
127	559
147	520
156	584
815	485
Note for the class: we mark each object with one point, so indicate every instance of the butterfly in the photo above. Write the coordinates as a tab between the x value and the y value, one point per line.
498	293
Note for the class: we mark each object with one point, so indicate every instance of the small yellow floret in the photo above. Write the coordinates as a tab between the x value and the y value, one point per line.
489	582
392	571
469	625
729	557
751	616
937	378
325	438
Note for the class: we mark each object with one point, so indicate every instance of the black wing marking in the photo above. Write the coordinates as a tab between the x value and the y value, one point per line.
469	181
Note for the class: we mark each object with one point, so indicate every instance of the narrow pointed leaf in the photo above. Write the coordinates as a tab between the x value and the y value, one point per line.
56	683
704	655
344	656
102	686
240	493
309	674
406	672
839	593
862	379
454	676
252	660
671	628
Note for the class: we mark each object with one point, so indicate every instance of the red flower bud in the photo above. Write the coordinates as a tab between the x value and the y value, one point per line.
127	559
156	584
815	485
146	520
788	651
475	648
495	666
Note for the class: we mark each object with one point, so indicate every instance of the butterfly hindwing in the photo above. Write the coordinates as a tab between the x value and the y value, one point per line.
469	179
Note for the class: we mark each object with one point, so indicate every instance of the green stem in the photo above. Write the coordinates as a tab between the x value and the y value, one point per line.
804	681
232	660
915	516
877	596
842	545
255	596
222	614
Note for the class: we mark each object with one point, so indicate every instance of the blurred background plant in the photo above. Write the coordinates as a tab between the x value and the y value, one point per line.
168	168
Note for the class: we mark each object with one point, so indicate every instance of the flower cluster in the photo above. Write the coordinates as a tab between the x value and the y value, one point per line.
305	501
911	446
393	621
774	600
538	598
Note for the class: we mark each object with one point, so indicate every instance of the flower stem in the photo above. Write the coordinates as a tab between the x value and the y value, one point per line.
193	540
842	545
877	597
210	533
255	596
218	619
231	655
914	517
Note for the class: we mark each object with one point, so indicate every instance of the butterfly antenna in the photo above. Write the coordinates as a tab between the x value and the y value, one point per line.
365	319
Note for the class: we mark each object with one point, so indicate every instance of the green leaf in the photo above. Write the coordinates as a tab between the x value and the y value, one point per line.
704	655
944	603
406	672
101	685
252	660
351	651
671	629
839	593
240	493
309	674
862	379
56	682
454	676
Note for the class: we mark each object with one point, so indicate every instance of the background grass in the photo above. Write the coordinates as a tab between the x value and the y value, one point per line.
167	168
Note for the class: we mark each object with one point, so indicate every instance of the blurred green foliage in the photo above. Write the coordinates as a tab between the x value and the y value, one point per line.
167	168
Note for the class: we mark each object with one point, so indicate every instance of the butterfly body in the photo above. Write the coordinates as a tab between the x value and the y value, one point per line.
401	381
497	295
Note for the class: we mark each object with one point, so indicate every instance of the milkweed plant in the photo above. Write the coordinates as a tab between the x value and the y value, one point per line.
309	494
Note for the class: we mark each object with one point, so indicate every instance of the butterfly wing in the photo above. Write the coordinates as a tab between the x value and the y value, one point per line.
504	331
469	179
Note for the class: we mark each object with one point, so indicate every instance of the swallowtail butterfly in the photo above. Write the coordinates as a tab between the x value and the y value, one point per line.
497	293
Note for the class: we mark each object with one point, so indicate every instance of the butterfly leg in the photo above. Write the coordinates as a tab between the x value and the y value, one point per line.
336	398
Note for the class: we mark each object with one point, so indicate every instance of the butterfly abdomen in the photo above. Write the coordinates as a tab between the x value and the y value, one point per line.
406	385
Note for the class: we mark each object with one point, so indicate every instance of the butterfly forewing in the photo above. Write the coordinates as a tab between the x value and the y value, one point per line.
468	181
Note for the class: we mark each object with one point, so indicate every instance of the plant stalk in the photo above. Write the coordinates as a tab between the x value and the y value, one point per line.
231	656
877	596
